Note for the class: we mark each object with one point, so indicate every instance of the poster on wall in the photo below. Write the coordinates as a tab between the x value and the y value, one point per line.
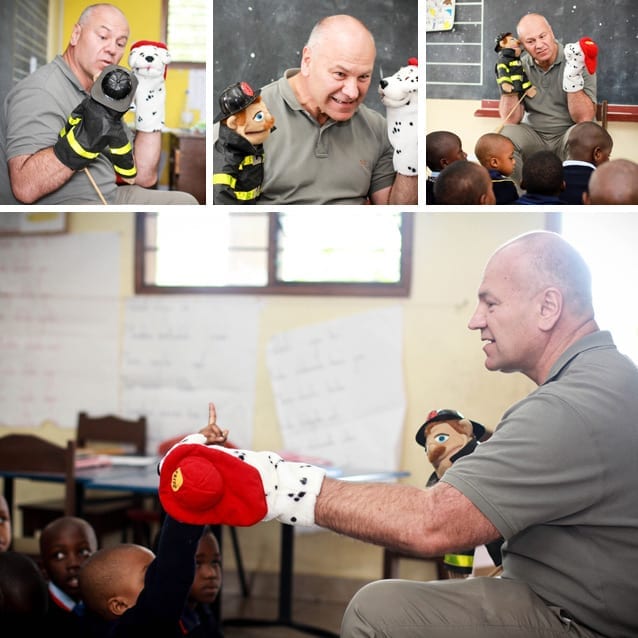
439	15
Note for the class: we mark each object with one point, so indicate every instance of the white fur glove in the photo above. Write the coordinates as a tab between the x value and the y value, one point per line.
578	55
217	485
148	60
400	95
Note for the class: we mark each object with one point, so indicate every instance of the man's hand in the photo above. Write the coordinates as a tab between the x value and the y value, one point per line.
201	484
579	55
85	134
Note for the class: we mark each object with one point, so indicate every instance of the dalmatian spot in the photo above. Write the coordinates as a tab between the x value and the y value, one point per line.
296	497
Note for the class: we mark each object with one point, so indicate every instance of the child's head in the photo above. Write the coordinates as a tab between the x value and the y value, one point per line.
65	544
613	182
496	152
113	577
23	591
208	570
464	182
589	142
5	525
543	174
443	148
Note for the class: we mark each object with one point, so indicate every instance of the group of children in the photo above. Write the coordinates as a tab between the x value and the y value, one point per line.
81	591
586	176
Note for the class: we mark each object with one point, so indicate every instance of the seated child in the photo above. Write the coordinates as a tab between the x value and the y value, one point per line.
613	182
6	535
441	149
128	590
464	182
65	544
588	146
23	596
542	179
199	619
496	153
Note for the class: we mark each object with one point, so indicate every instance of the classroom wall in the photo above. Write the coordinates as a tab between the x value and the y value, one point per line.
458	116
443	365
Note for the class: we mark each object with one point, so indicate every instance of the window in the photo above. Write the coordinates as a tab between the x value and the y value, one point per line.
185	31
340	252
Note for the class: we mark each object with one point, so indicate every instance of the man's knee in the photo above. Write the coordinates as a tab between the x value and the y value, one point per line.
360	619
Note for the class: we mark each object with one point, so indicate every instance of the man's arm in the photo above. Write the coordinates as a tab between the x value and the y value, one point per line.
581	107
148	147
404	190
428	522
37	175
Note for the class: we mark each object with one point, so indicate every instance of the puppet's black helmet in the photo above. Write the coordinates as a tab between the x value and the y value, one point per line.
115	88
235	98
499	38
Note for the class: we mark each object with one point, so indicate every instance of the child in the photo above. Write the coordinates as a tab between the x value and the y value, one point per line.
441	149
588	146
496	153
464	182
198	619
613	182
5	525
65	544
542	179
130	591
23	596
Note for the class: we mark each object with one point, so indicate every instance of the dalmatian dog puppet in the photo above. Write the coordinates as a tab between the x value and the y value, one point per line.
578	56
148	60
399	94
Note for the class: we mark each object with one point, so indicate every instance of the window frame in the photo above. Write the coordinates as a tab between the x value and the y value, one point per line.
273	287
176	64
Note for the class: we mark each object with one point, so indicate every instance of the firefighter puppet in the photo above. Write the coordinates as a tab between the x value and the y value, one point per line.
446	436
510	74
238	160
95	126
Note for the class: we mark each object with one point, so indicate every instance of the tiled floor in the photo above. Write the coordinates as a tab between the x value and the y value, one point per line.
318	602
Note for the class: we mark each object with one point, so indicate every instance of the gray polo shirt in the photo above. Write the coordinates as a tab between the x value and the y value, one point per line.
33	114
558	480
547	111
337	163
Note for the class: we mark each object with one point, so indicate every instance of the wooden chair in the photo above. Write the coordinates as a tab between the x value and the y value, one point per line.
31	457
106	512
601	113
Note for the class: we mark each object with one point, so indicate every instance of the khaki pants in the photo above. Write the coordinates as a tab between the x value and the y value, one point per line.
527	141
471	608
131	194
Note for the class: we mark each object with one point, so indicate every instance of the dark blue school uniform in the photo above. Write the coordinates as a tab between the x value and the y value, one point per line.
576	175
161	603
429	189
538	200
504	188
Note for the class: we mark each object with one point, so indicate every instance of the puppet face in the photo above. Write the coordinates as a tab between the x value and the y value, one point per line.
510	42
443	439
253	123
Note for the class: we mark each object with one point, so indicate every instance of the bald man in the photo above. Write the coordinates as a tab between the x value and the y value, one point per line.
542	122
614	182
329	147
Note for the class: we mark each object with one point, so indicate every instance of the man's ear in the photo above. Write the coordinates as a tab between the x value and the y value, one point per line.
231	122
551	308
75	34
